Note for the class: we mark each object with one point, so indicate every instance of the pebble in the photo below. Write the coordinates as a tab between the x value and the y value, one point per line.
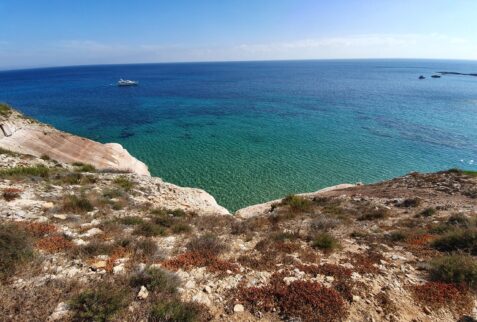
143	293
238	308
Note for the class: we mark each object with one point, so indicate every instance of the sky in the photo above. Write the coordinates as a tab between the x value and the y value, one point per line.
40	33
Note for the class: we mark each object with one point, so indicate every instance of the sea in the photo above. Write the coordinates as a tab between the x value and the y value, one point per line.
249	132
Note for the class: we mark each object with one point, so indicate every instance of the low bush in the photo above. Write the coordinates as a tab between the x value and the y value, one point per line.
325	242
54	244
457	269
323	223
156	280
174	310
34	171
131	220
428	212
207	243
124	182
375	213
77	204
10	194
459	220
396	236
5	109
75	178
191	260
84	167
15	249
37	229
437	295
149	229
458	240
300	300
99	304
45	157
8	152
145	248
409	203
297	203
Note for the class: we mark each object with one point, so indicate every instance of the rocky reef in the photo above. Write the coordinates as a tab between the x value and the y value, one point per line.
80	243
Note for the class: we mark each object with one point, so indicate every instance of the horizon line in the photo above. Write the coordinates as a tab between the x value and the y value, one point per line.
226	61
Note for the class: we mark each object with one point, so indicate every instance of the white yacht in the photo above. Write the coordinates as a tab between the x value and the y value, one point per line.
127	82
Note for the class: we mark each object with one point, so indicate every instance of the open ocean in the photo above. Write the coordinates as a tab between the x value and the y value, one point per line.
249	132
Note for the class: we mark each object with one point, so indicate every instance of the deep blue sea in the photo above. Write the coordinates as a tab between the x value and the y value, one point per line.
248	132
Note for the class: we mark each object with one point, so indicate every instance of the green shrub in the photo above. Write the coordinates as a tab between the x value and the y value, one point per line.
428	212
156	280
456	269
124	182
77	204
297	203
113	193
409	203
8	152
149	229
5	109
84	167
75	179
45	157
162	212
207	243
174	310
98	304
374	214
15	249
325	242
146	247
396	236
458	240
35	171
131	220
459	220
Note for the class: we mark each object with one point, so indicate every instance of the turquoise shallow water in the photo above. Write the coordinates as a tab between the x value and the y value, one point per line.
255	131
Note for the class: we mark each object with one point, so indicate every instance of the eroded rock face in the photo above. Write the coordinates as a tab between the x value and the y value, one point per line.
37	139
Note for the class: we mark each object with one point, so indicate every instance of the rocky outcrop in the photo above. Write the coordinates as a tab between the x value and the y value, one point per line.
26	136
265	208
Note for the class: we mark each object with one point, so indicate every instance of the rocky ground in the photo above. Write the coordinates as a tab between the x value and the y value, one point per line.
79	244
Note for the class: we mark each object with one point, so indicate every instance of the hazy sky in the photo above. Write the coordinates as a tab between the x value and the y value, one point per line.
66	32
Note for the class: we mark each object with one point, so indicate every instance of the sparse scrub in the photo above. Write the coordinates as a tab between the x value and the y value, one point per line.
131	220
148	229
457	269
10	194
54	244
323	223
99	304
297	203
458	240
409	203
77	204
174	310
207	243
21	172
37	229
428	212
45	157
84	167
5	110
156	280
306	301
325	242
459	220
15	249
375	213
438	295
8	152
124	182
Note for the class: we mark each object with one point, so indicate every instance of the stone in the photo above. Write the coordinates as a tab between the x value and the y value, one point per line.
190	284
143	293
60	312
238	308
208	289
119	269
61	217
48	205
201	298
79	242
101	264
92	232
